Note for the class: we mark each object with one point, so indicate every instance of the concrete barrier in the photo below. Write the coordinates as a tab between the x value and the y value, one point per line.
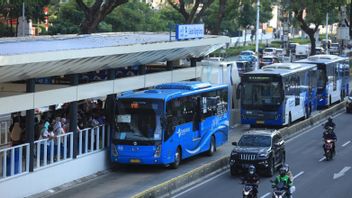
168	188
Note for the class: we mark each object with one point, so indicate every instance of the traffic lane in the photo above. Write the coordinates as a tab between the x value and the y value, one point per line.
126	181
303	154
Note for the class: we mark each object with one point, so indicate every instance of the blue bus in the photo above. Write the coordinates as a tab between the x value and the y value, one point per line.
172	122
278	94
333	78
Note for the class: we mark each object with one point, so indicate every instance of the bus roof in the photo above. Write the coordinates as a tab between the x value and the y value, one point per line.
282	69
168	91
322	59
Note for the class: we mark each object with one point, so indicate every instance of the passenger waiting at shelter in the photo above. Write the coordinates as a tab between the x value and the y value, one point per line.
16	132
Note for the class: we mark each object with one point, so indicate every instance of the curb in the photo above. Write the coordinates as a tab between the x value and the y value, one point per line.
168	188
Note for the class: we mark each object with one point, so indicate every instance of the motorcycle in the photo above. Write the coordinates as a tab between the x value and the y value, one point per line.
248	191
328	149
280	191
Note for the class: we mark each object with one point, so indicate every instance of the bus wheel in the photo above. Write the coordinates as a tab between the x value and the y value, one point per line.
289	119
212	147
177	161
330	100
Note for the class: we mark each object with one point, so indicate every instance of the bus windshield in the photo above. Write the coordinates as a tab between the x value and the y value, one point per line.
261	92
138	120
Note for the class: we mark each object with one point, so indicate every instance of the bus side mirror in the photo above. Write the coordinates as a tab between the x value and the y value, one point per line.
234	143
163	121
238	91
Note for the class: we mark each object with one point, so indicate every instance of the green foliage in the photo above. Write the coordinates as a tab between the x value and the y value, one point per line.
66	20
140	18
229	25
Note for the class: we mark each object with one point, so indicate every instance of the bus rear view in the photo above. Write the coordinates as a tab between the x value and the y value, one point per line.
170	123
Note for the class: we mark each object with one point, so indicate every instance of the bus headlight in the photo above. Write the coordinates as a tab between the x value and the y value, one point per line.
114	151
157	151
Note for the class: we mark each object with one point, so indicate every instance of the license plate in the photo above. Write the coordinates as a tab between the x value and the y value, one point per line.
245	165
259	122
135	161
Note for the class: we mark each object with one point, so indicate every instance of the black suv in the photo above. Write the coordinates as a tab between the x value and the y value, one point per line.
263	149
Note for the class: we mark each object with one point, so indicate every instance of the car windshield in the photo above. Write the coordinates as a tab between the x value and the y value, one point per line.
334	45
268	50
138	120
255	141
261	91
246	53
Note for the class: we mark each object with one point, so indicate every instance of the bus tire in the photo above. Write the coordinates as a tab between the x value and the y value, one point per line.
178	157
212	146
329	100
289	119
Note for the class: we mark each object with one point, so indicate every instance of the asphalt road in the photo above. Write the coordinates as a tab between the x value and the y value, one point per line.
314	176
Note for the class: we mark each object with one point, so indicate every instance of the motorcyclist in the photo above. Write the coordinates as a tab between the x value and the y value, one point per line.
283	177
329	123
288	171
252	178
330	135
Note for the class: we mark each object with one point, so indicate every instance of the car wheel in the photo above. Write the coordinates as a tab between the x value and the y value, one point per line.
212	147
233	172
271	169
177	161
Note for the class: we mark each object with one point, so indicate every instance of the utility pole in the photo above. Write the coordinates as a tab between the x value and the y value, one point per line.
257	35
23	19
327	33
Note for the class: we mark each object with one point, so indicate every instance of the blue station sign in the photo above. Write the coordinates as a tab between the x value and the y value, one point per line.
189	31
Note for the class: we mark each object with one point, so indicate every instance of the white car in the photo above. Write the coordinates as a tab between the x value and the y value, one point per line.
269	51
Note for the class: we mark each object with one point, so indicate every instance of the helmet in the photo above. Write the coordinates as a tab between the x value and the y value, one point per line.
286	167
330	119
282	171
251	169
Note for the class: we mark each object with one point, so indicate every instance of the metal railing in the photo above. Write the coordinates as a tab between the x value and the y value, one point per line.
92	139
51	151
14	161
4	131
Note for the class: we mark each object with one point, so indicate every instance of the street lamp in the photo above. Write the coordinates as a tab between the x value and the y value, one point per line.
257	35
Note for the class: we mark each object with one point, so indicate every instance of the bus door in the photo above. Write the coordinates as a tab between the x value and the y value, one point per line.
196	123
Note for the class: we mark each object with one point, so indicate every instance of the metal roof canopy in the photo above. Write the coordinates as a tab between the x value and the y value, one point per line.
34	57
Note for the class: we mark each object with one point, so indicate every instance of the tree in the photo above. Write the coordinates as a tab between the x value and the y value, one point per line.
189	9
141	17
248	13
310	14
12	9
96	13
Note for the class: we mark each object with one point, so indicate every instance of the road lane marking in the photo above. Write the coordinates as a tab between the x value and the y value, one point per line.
345	144
196	186
299	174
267	194
342	172
323	158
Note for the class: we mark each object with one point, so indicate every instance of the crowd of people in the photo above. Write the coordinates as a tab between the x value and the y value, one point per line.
54	122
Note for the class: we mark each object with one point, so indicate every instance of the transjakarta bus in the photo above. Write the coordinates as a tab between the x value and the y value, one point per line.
333	78
172	122
278	94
